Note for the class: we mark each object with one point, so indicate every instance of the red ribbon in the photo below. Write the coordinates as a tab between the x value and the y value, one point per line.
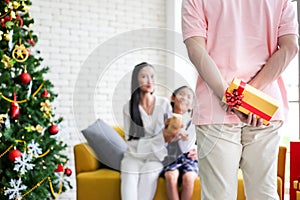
235	99
20	20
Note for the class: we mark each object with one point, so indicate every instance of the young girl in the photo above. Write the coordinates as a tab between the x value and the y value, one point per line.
185	168
144	126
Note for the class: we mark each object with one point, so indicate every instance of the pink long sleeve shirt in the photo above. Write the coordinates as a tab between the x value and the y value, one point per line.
241	36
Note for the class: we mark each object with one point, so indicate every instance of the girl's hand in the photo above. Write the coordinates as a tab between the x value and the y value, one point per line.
183	135
193	154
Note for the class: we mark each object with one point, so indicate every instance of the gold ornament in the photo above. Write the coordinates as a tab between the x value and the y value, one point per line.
13	14
46	108
38	128
25	8
8	63
20	53
6	36
2	116
15	5
5	60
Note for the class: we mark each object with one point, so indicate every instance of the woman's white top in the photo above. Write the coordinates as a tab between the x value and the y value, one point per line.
152	145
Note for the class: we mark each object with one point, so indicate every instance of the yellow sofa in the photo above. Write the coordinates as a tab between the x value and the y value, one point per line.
95	181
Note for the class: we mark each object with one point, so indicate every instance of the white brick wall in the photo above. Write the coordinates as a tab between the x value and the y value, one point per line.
69	31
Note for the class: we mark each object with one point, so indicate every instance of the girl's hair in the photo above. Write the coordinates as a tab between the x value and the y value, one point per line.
136	129
176	91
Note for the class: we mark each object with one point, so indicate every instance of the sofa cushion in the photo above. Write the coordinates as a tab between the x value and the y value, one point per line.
107	144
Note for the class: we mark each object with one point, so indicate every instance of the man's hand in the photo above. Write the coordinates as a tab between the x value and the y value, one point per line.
250	119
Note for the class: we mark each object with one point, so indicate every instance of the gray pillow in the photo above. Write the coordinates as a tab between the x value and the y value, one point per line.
107	144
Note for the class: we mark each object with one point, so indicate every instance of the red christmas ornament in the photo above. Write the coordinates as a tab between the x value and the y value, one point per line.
25	78
45	94
4	20
53	129
30	41
14	110
14	154
68	171
59	168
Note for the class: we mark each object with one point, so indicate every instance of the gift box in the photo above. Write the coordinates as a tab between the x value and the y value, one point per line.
297	188
294	169
296	184
246	98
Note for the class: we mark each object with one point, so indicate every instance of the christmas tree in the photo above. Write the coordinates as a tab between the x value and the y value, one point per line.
32	165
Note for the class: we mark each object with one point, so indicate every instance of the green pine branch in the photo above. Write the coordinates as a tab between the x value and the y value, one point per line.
36	115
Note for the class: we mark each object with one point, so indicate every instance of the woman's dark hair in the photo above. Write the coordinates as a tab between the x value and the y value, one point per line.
176	91
136	129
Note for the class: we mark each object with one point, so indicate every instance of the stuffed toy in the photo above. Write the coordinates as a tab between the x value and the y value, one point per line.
175	124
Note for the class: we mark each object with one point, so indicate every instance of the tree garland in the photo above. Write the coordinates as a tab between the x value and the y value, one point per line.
25	100
55	195
17	141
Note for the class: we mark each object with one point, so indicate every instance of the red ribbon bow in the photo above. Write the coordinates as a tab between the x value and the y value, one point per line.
234	99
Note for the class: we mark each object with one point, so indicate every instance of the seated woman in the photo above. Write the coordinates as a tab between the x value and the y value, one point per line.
146	134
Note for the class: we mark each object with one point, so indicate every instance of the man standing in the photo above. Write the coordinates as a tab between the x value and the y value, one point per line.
253	41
